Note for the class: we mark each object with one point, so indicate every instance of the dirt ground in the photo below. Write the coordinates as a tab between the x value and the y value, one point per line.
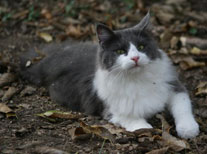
179	27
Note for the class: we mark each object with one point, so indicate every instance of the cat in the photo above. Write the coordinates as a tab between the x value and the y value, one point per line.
124	78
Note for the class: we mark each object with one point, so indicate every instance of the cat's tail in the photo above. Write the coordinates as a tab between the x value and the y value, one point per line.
32	62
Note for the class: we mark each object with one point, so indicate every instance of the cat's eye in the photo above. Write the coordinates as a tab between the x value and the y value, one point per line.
140	47
120	51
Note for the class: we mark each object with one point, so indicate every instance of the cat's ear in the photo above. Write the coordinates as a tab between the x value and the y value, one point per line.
144	23
103	33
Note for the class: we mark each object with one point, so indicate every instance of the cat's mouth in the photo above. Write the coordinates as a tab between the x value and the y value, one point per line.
134	66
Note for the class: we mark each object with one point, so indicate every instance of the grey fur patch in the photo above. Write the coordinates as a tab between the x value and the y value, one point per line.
177	86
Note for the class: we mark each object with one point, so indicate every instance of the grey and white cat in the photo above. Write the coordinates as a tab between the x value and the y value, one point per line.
125	78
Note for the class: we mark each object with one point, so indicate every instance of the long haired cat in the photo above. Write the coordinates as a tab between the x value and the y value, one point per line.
125	78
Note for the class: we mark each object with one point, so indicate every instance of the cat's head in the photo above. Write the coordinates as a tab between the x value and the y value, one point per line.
128	49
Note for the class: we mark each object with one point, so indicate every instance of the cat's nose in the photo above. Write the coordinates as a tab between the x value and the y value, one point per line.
135	59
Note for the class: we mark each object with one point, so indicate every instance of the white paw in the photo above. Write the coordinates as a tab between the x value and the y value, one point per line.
187	129
138	125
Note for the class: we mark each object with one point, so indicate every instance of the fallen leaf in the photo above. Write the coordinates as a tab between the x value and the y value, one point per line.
48	150
165	125
201	89
79	134
21	14
45	36
98	130
159	151
46	14
29	144
9	94
197	51
165	38
169	140
6	79
174	42
11	114
164	13
189	63
60	115
174	143
77	31
194	42
149	132
74	31
4	108
27	91
113	129
186	62
8	111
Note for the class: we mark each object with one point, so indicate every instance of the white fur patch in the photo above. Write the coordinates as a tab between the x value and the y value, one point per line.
181	109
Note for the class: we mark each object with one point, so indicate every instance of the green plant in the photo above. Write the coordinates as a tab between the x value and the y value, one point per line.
33	14
6	16
100	152
129	3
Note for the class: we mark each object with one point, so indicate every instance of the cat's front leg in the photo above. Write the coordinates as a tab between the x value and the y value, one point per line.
130	124
181	109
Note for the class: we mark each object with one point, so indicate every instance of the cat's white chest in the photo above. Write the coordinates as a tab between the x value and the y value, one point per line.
131	97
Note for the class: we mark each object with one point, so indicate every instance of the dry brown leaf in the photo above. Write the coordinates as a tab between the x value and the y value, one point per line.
79	134
45	36
189	62
28	90
46	14
165	125
197	51
169	140
174	143
21	14
98	130
11	114
165	38
60	115
186	62
173	42
194	42
113	129
4	108
6	79
9	94
74	31
159	151
201	88
164	13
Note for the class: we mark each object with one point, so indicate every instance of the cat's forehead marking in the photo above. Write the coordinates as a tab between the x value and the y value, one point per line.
132	49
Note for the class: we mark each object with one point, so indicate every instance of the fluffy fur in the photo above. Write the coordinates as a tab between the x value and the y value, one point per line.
125	78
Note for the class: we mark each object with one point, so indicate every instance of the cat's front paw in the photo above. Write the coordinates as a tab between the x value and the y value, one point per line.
187	129
138	125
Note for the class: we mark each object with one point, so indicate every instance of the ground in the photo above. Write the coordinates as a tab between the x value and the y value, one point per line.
180	29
